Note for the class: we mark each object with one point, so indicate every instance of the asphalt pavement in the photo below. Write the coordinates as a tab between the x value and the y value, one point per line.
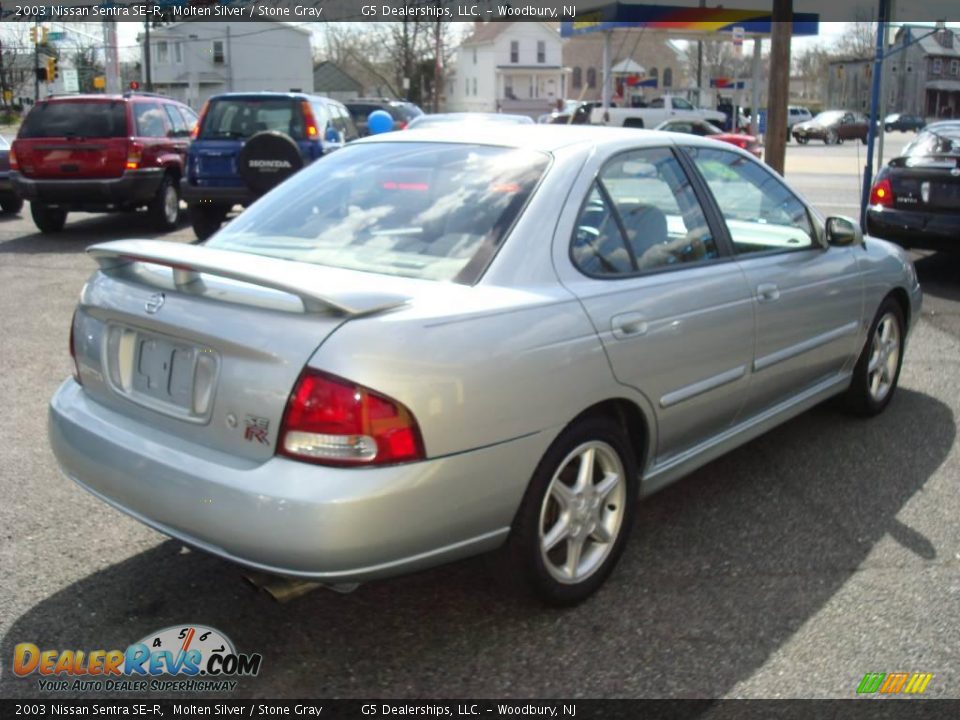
791	567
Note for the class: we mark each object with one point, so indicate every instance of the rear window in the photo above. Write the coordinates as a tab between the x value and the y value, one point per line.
420	210
239	118
927	144
95	119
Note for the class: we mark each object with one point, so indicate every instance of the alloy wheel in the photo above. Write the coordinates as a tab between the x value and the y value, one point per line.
884	357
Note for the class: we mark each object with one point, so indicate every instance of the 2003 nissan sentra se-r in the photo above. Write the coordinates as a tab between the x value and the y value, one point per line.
423	347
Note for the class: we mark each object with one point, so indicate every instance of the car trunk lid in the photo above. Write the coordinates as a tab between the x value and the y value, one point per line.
929	183
205	345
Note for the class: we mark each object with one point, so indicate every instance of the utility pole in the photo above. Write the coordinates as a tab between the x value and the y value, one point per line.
3	82
437	67
778	90
703	3
36	60
883	14
146	56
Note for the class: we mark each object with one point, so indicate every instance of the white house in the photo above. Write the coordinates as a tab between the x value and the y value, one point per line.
191	61
513	67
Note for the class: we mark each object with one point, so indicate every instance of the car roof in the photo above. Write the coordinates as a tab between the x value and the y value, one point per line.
266	94
544	138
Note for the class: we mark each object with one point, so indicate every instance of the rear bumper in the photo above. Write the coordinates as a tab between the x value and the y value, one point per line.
134	187
197	194
291	518
920	230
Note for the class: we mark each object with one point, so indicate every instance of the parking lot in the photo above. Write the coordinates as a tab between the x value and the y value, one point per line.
824	550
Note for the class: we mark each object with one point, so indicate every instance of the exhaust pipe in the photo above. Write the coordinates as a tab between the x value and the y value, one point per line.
283	589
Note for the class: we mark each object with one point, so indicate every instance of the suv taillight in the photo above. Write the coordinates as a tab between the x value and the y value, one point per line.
73	349
882	193
195	130
332	421
309	121
134	155
14	163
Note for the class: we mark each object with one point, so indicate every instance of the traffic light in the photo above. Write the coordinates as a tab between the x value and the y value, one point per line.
43	37
134	85
53	69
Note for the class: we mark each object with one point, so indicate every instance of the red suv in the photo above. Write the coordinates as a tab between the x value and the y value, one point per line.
102	153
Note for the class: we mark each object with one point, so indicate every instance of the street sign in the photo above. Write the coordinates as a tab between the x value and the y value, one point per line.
71	80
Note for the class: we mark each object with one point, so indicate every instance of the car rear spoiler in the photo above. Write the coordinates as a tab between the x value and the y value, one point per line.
320	289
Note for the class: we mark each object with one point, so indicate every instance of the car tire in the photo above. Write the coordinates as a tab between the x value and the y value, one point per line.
863	140
801	140
206	219
888	128
46	218
164	209
877	370
11	204
563	512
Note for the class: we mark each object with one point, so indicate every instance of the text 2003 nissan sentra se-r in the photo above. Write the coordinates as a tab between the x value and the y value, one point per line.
425	346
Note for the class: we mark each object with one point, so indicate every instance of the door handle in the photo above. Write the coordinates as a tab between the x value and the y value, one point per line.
628	325
768	292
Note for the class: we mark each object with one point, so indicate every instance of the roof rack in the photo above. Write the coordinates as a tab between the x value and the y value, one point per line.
128	93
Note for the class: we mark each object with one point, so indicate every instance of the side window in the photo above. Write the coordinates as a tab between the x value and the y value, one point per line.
180	128
350	129
189	117
149	119
681	104
641	214
760	211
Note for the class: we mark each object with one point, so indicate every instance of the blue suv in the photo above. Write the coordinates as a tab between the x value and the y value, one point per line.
245	144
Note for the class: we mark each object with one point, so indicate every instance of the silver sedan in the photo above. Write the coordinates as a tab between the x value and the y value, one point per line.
431	344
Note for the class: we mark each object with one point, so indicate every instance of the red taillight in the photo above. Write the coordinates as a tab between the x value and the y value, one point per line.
309	121
881	193
402	125
134	155
195	130
73	348
332	421
743	144
14	163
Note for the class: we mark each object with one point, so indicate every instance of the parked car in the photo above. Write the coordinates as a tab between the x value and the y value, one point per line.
248	143
102	153
902	122
915	198
401	111
459	118
659	109
705	129
833	127
579	110
435	342
10	202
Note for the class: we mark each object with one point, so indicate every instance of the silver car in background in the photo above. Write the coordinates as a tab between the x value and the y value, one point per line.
433	343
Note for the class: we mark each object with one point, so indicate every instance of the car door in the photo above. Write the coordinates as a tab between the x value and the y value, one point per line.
671	308
808	296
179	133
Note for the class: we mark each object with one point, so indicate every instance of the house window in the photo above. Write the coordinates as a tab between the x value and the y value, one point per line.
162	52
893	68
178	52
668	77
541	51
955	67
474	56
577	81
654	74
591	77
218	55
909	68
514	51
466	86
474	87
937	66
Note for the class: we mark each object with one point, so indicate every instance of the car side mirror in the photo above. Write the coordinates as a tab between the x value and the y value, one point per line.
843	231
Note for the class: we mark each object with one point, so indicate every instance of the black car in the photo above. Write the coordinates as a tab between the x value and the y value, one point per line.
401	111
915	200
10	202
902	122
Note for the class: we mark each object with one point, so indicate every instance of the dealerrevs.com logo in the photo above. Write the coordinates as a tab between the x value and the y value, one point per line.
199	659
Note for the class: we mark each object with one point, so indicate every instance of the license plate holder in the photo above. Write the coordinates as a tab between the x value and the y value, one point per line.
164	370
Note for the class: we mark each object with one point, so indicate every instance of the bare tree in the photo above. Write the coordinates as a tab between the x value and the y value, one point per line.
859	40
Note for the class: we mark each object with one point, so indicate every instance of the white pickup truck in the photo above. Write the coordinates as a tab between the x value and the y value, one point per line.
656	111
